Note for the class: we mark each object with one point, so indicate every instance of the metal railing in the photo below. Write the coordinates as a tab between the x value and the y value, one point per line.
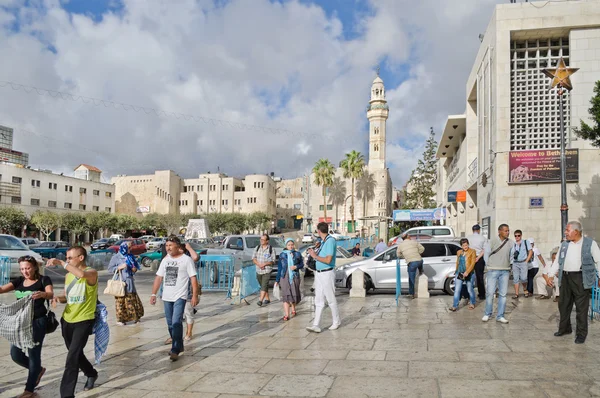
248	283
595	304
5	267
216	273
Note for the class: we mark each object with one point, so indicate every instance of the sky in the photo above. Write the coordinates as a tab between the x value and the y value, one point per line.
266	86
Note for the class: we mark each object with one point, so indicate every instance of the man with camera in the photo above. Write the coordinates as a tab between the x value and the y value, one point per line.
520	254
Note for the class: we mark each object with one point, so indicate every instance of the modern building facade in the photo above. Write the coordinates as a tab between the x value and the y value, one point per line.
499	160
7	153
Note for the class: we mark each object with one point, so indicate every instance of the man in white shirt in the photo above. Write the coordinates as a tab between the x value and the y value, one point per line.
578	261
178	271
549	278
478	242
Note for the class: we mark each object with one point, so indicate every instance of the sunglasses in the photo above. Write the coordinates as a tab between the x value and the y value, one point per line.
26	258
517	236
174	240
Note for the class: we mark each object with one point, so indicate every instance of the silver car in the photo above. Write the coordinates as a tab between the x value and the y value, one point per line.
439	264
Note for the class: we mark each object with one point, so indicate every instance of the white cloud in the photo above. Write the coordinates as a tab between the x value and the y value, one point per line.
280	65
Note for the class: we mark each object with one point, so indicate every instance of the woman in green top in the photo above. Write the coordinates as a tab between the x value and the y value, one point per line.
39	287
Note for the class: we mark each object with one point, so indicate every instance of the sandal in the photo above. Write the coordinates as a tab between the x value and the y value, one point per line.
471	306
294	313
453	309
286	318
515	297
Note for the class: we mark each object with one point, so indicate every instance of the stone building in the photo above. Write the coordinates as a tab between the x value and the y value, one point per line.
500	156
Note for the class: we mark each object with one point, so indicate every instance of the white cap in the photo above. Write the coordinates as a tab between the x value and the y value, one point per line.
530	240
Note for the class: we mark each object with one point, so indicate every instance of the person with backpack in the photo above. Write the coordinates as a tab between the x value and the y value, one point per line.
264	258
521	254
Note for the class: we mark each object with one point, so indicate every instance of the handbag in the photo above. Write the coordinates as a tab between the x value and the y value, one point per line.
51	321
115	287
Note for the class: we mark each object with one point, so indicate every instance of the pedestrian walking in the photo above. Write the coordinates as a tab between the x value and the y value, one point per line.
465	267
31	283
411	251
578	260
325	279
521	255
549	278
533	267
264	258
77	322
288	278
498	255
478	243
178	271
381	246
129	308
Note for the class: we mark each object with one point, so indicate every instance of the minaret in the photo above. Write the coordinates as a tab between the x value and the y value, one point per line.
377	113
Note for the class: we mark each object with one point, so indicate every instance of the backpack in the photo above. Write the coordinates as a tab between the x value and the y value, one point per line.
271	251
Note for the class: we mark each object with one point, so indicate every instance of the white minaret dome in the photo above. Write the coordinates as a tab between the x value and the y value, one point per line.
377	80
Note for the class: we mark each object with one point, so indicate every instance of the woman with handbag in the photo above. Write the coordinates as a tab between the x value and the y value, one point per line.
39	287
129	307
465	264
288	277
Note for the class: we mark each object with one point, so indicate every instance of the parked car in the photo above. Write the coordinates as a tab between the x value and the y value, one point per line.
103	243
146	238
342	258
117	236
307	238
137	246
31	242
147	258
219	239
55	249
155	243
439	265
428	232
13	248
411	235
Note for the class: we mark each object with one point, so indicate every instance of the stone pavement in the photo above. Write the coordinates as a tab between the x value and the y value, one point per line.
418	349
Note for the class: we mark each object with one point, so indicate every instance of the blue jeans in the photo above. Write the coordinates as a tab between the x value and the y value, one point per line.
458	285
174	315
33	359
412	273
500	279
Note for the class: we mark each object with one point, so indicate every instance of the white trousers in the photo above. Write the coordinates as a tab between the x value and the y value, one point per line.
542	288
325	291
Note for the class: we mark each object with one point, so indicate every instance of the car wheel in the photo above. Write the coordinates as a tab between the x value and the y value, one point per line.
214	274
449	286
146	262
368	283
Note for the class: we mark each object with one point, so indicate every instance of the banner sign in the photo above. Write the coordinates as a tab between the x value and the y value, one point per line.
457	196
197	229
419	215
537	166
536	203
142	209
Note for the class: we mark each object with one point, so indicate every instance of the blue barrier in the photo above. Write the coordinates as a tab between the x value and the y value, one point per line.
398	281
595	304
216	272
248	283
5	267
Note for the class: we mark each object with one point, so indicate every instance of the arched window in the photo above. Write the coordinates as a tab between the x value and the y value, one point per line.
376	130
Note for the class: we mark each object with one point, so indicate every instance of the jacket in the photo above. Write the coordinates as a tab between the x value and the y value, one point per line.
410	250
588	266
470	258
283	264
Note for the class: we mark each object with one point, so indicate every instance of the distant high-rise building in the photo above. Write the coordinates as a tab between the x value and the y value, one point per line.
7	154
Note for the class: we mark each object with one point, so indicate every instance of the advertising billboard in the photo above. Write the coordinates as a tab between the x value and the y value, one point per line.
536	166
419	215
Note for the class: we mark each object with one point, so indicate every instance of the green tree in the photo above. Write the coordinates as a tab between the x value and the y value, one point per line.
324	172
97	221
75	223
171	223
151	222
337	195
365	189
236	223
125	222
421	194
46	222
217	223
12	219
353	166
258	221
592	132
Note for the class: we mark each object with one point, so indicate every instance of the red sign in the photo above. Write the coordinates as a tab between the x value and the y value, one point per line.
322	219
537	166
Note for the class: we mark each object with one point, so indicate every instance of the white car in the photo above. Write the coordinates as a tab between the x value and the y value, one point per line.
31	242
13	248
307	238
155	243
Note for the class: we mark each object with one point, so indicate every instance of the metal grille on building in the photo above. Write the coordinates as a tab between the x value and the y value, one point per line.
534	119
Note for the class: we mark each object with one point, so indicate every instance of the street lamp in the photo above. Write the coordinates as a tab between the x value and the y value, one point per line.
562	81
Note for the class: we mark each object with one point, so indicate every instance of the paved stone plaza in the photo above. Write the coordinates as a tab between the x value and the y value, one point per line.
416	349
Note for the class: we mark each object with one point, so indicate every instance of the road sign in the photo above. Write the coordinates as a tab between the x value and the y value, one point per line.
536	203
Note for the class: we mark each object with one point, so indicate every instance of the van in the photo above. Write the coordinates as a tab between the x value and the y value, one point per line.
116	236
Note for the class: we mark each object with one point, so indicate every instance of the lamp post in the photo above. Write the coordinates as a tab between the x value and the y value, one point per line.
561	80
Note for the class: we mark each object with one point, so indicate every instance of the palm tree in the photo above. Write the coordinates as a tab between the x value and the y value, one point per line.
353	166
365	189
337	195
324	172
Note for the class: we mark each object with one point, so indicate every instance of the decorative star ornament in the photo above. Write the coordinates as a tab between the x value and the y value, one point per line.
561	75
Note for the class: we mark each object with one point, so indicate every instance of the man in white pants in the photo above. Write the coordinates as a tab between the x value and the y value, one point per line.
325	279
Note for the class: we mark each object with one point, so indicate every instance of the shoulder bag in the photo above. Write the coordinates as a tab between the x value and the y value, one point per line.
115	287
51	321
500	248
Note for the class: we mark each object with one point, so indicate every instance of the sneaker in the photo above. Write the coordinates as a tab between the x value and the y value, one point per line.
39	378
314	329
335	326
173	357
89	384
502	320
266	302
259	303
485	318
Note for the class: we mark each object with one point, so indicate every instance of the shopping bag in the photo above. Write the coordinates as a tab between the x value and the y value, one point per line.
115	287
277	292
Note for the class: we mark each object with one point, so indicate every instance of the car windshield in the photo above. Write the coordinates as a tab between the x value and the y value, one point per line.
11	243
118	243
157	239
344	252
48	244
197	246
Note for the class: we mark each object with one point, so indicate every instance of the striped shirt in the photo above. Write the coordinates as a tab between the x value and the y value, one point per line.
264	254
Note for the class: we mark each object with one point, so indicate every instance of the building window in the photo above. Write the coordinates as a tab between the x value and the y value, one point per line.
96	208
184	189
16	180
108	194
329	207
68	188
35	202
52	185
297	206
288	191
81	207
52	203
82	190
107	209
200	188
96	192
68	205
35	183
15	199
224	202
278	205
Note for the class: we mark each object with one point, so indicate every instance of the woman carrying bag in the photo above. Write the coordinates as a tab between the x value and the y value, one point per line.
465	264
288	277
129	308
31	283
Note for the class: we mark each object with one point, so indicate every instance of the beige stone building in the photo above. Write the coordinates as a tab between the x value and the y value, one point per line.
500	150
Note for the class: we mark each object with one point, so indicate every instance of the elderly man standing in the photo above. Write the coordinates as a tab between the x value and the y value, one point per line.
498	265
578	261
477	242
411	251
